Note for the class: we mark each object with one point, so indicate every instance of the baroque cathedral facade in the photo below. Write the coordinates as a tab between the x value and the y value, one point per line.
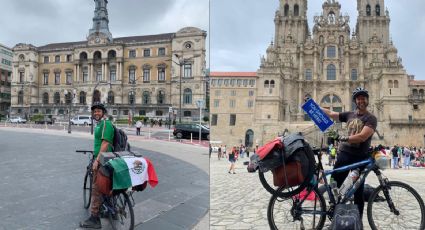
327	63
141	75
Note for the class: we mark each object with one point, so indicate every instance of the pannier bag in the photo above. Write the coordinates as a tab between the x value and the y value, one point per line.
346	217
103	182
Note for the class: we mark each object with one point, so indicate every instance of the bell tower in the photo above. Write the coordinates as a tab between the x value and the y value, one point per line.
373	21
99	33
291	20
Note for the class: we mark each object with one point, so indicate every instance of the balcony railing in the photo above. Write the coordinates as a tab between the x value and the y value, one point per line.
416	98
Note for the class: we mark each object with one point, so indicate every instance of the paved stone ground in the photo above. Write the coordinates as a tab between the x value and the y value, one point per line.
238	201
179	201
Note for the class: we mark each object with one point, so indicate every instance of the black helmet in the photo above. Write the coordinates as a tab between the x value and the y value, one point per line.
98	105
360	91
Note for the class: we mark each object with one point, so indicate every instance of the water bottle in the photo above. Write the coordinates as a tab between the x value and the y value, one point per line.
349	181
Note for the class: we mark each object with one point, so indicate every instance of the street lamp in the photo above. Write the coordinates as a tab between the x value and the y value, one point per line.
70	101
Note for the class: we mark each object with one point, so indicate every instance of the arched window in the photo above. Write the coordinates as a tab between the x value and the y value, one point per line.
395	84
187	96
68	98
112	54
96	96
266	84
308	75
21	97
161	97
332	101
286	10
378	10
83	56
83	97
421	92
249	138
272	84
354	74
146	97
368	10
111	98
390	84
46	98
321	40
331	72
296	10
131	97
57	98
415	92
336	99
97	55
341	40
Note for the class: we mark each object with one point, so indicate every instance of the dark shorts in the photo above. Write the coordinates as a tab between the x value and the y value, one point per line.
232	160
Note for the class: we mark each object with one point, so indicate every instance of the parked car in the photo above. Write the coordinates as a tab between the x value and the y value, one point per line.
17	120
81	120
184	131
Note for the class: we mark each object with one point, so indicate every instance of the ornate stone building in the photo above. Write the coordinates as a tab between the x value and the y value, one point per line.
6	56
144	74
326	64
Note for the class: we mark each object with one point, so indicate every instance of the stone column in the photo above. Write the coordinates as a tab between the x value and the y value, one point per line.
103	72
91	72
361	67
301	67
315	64
347	64
106	72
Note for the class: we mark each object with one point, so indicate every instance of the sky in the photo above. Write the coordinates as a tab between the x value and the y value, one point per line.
241	31
41	22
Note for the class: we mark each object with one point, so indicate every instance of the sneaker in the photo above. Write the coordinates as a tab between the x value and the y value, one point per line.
234	173
91	222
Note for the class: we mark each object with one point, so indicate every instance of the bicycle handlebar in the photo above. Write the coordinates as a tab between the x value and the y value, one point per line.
84	151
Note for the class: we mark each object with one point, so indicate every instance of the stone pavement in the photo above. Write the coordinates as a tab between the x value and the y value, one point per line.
238	201
179	202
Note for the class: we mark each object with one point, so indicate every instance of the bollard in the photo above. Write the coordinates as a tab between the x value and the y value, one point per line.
149	133
169	135
191	134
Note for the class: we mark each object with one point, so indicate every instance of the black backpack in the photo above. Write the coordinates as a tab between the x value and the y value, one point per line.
120	142
346	217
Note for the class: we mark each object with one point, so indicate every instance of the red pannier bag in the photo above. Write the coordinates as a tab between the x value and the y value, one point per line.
103	183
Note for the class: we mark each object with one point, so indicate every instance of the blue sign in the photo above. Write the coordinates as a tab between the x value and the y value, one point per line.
316	114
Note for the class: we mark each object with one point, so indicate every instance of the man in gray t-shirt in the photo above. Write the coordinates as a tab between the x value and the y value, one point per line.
361	125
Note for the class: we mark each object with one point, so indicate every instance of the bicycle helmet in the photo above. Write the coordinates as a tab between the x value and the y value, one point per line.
98	105
360	91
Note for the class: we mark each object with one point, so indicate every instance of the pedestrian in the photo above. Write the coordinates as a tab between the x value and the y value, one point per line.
224	151
103	140
232	159
138	127
219	152
406	158
394	152
247	151
332	156
353	148
210	150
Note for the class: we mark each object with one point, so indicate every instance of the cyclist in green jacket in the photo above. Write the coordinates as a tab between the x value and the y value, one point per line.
103	141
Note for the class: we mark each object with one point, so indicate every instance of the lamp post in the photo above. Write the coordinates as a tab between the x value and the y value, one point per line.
133	97
70	101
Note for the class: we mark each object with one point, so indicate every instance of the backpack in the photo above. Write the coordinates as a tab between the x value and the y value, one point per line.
120	140
346	217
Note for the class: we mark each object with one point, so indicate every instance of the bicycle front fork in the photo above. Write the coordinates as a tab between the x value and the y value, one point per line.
385	189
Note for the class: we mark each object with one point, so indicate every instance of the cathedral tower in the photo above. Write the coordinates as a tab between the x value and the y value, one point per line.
99	33
291	20
373	21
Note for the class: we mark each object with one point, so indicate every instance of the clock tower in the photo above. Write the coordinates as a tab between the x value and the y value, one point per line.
99	33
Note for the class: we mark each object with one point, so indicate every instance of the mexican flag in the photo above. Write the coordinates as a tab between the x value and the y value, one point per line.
130	171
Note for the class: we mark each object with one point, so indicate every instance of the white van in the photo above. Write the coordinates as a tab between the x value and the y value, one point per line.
81	120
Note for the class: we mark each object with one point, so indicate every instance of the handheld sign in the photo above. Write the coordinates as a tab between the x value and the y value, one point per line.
317	115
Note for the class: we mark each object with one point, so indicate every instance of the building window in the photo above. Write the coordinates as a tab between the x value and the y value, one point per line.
232	82
286	10
187	70
251	82
368	10
132	53
131	75
390	84
146	97
321	40
216	103
45	78
82	97
354	74
45	98
415	107
68	98
146	53
57	78
250	104
46	59
233	93
266	84
232	120
85	74
395	84
232	103
331	52
57	98
272	84
21	76
142	112
161	51
161	97
331	72
69	58
226	82
187	96
187	113
57	59
111	98
61	112
161	74
68	78
146	75
308	75
158	113
296	10
245	83
214	119
251	93
131	97
99	75
378	10
113	74
21	97
125	112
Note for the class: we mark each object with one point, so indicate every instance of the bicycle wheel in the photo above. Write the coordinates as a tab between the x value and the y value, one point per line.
286	213
88	183
409	206
123	218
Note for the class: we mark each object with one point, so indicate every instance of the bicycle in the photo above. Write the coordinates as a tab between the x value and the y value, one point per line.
117	207
309	211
